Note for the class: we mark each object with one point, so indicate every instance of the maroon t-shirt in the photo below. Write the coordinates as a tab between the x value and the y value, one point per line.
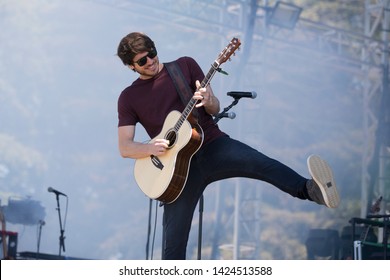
148	102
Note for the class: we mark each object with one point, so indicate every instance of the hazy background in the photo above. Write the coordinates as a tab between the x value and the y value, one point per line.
59	83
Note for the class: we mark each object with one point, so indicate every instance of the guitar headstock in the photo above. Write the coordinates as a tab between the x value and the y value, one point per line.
229	50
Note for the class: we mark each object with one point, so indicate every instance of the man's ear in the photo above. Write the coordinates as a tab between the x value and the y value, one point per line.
132	67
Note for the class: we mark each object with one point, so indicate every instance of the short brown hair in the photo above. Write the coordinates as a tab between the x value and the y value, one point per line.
133	44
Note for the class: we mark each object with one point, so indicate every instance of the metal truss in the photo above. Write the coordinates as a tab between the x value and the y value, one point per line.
211	16
376	123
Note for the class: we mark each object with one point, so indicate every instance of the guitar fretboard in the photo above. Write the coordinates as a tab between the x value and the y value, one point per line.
191	104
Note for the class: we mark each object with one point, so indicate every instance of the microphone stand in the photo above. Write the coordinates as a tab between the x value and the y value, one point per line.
201	199
149	228
41	224
62	237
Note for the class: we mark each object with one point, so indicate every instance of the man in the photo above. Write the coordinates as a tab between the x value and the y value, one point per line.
151	97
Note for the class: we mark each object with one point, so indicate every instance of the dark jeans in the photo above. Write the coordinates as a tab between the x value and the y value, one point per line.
223	158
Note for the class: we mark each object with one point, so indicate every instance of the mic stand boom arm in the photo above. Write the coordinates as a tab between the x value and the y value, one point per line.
225	110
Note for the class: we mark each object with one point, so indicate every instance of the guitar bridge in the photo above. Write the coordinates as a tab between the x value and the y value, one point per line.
157	162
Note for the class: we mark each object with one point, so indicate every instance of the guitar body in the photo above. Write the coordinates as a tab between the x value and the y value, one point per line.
163	177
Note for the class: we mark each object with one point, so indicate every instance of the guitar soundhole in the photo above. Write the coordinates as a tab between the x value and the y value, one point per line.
171	136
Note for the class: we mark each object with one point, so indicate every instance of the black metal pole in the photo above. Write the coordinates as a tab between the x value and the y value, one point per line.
41	224
62	237
200	227
149	228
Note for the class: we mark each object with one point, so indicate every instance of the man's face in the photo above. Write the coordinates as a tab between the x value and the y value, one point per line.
146	64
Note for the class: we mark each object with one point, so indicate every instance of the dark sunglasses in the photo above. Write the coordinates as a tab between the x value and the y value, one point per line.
142	61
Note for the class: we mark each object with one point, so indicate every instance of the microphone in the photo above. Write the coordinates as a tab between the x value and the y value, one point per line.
50	189
230	115
239	94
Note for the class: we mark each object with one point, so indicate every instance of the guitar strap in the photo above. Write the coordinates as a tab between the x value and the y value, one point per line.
181	84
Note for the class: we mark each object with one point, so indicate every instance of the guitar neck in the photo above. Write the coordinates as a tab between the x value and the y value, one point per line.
191	104
207	79
226	53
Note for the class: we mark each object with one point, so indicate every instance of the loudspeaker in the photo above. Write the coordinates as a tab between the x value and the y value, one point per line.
370	251
12	241
347	240
323	244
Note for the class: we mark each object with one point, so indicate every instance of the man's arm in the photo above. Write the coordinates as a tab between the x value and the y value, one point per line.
128	148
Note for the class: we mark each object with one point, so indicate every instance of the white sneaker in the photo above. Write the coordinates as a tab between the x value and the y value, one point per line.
322	188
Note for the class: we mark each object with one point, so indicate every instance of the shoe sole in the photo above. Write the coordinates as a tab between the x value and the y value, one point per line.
323	176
